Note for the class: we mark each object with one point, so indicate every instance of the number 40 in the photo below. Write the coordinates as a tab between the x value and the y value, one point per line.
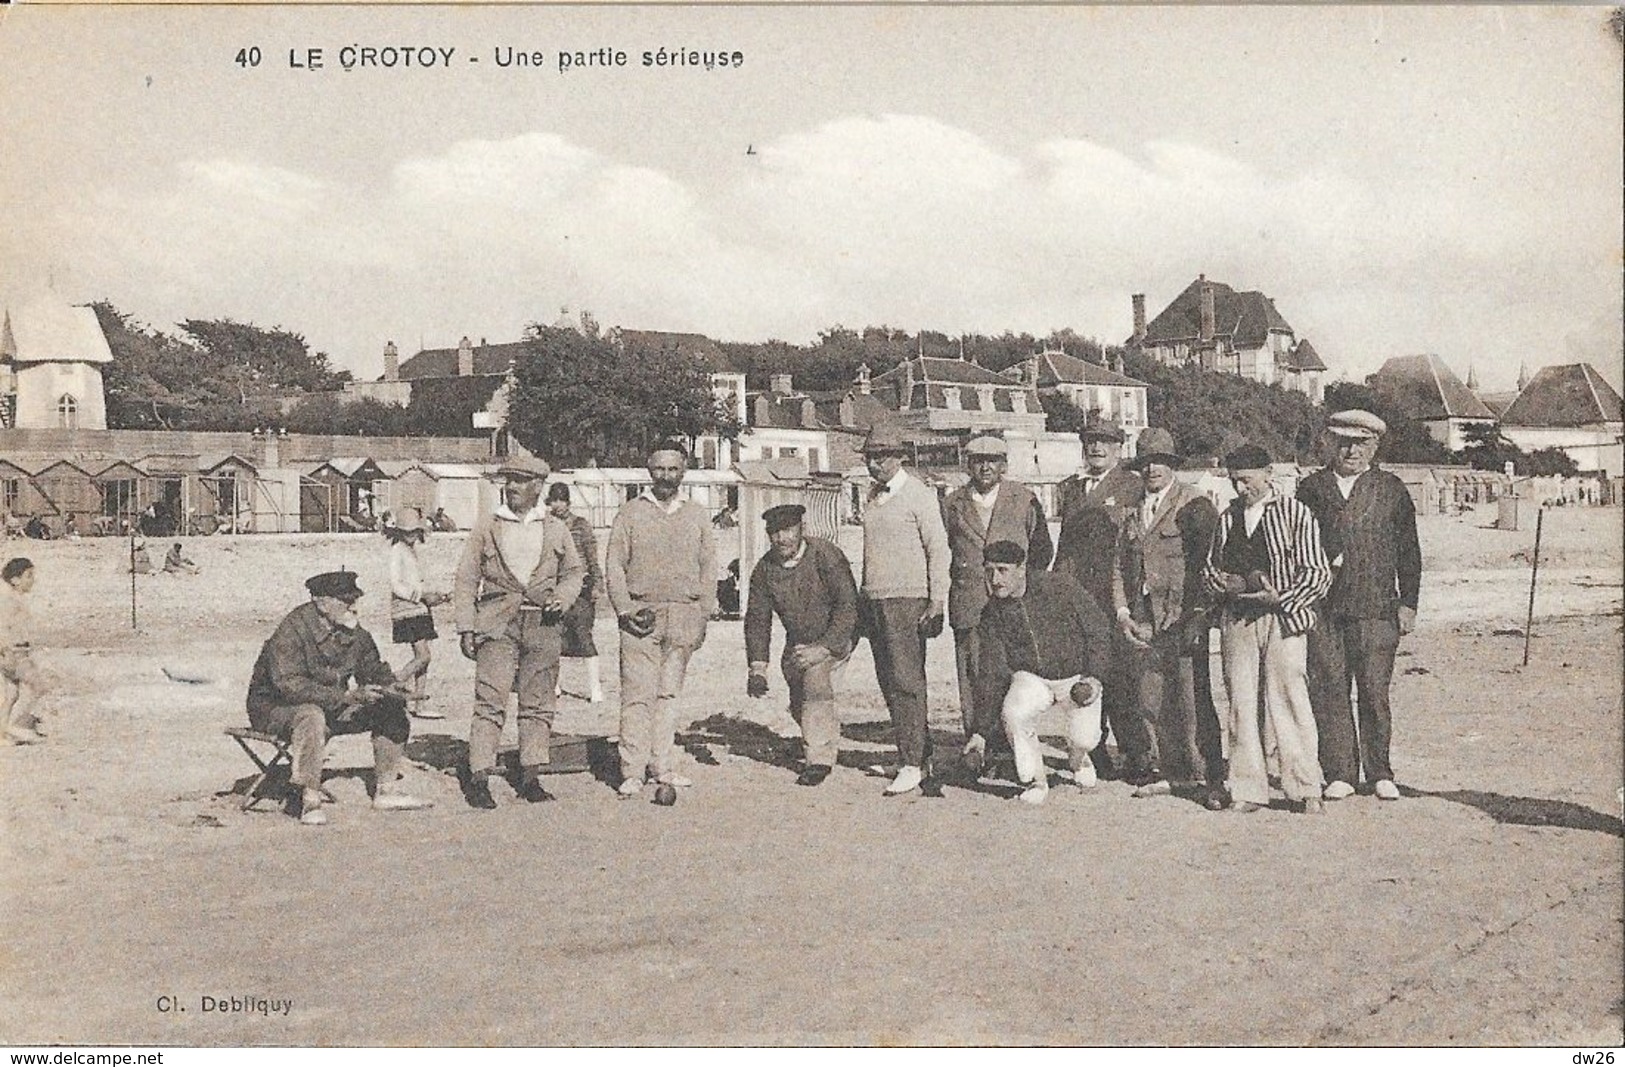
248	57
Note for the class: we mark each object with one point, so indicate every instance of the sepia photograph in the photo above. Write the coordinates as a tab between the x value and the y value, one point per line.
879	526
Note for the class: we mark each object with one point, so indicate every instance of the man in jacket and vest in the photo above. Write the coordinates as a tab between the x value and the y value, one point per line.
518	573
1161	610
988	508
1368	528
1093	505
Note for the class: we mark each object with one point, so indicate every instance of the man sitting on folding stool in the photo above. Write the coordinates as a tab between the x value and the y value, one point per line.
1043	642
320	674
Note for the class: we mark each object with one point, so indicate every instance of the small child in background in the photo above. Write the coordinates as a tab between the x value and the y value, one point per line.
410	605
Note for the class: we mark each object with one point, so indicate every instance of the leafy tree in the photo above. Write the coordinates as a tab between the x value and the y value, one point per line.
249	355
1209	413
580	399
1488	450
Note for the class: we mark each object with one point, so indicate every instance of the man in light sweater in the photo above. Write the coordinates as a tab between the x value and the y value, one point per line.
661	573
904	596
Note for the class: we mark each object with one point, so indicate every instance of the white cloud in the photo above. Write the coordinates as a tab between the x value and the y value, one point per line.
897	218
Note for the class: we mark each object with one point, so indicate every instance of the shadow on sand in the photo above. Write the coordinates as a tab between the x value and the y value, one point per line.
1528	811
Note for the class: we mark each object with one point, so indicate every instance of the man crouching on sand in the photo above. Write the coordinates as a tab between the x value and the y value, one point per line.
319	675
1043	642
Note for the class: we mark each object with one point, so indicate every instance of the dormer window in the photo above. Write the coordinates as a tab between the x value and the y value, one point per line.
1018	401
950	397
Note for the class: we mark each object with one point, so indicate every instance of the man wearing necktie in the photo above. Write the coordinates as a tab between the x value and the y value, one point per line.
1162	615
1093	505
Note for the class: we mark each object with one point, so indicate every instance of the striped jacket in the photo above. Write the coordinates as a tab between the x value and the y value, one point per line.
1298	568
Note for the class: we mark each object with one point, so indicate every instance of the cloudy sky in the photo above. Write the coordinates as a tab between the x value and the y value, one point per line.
1399	180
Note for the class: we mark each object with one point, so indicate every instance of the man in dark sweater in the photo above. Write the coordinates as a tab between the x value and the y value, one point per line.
1043	641
1368	528
807	582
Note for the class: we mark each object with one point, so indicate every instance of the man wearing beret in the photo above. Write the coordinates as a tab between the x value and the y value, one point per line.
988	508
320	674
1368	527
1269	573
904	594
1162	615
1044	642
1093	505
518	573
661	572
807	582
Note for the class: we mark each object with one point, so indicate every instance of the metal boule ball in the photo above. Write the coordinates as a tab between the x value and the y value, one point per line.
665	795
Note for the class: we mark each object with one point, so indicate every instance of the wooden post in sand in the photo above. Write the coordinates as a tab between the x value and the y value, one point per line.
1534	569
132	578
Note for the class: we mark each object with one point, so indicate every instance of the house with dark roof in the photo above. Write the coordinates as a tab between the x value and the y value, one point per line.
1424	388
1112	394
958	395
1217	328
1573	408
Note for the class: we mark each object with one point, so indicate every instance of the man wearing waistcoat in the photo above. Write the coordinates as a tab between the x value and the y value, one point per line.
1093	505
1162	614
1368	528
518	573
986	509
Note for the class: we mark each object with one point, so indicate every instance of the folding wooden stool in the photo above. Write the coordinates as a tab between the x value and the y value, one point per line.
280	765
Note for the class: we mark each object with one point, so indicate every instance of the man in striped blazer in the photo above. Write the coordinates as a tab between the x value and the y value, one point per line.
1368	525
1267	568
988	508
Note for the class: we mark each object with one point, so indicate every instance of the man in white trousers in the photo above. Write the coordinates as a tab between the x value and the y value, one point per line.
1043	642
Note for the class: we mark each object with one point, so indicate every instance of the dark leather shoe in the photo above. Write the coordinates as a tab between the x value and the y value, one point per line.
532	791
813	774
1216	799
478	792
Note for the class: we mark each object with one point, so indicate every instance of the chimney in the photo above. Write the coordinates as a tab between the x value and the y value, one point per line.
780	385
1139	319
862	380
392	363
762	411
1209	315
465	358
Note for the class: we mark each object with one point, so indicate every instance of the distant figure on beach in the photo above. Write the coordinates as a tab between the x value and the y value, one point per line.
21	683
175	561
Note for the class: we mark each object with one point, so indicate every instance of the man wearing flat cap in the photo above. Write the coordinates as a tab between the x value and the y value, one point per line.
1368	528
1044	643
807	582
1268	572
987	508
1161	608
1093	505
518	573
320	674
903	596
661	573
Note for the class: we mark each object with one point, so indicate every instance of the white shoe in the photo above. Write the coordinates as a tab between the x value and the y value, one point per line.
1158	788
1086	776
313	817
908	779
676	780
1387	790
1339	791
631	787
393	801
1034	794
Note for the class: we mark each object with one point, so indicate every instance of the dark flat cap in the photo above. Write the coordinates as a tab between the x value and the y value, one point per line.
783	516
1004	552
1247	458
340	585
1156	445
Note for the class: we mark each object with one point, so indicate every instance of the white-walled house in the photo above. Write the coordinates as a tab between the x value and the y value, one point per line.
1117	398
51	358
1424	388
1573	408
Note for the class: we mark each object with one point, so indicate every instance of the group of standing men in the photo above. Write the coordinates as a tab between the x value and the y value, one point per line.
1111	623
